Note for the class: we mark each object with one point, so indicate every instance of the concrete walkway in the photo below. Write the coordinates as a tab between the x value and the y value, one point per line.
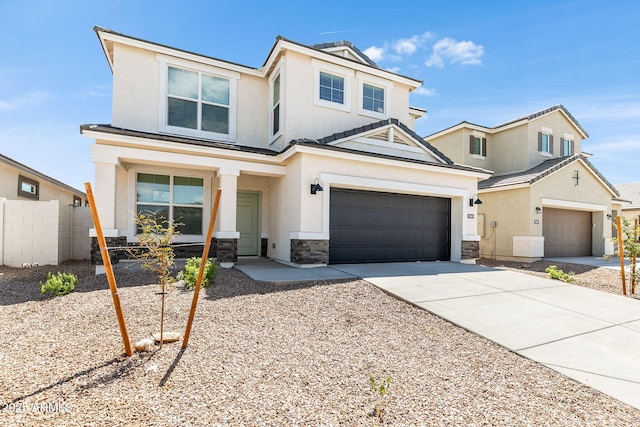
590	336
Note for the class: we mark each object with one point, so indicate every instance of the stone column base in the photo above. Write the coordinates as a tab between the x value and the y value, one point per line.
114	255
470	249
305	252
226	251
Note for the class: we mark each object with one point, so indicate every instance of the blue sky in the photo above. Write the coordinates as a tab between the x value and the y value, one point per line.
483	62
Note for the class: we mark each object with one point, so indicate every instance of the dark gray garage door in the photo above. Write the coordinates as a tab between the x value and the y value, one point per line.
566	232
367	226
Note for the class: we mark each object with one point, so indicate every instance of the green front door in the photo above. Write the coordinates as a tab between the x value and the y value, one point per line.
247	215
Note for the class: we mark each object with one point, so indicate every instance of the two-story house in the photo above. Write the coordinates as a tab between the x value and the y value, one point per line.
314	152
545	198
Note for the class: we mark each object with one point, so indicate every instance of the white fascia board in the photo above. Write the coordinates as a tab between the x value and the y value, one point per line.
105	36
504	188
357	182
568	204
463	125
176	154
343	62
379	161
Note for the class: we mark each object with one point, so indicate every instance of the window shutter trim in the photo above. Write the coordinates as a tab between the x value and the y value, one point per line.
484	147
471	147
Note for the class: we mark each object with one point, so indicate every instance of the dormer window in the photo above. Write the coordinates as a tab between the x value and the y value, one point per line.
198	104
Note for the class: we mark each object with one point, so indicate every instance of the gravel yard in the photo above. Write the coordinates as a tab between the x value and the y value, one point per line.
262	355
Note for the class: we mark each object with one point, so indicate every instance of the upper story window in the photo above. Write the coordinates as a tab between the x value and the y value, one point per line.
175	198
545	143
28	188
198	103
275	106
331	88
566	147
477	146
373	98
77	201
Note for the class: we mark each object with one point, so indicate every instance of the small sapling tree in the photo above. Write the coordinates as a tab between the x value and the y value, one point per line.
155	235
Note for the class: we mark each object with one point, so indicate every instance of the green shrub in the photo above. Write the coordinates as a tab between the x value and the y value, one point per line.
190	272
59	284
556	274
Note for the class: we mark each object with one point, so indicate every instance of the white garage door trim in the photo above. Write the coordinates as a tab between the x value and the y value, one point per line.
576	206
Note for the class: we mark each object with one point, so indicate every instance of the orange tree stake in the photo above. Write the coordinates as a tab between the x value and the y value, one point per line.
621	255
106	260
203	263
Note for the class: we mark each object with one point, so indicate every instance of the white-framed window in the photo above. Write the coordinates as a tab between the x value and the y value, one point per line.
545	142
477	146
276	110
566	147
198	102
179	199
374	96
332	86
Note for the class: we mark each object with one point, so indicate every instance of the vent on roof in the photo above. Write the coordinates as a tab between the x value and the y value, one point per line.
384	136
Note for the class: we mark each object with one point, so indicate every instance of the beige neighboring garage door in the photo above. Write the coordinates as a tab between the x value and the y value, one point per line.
566	232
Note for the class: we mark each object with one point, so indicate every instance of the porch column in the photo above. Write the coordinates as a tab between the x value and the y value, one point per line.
226	238
106	200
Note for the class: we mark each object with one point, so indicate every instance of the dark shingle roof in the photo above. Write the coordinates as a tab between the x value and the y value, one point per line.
536	173
371	126
193	141
542	113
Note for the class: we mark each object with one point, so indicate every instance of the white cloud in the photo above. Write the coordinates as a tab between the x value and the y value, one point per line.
25	101
374	53
412	44
450	51
395	50
423	91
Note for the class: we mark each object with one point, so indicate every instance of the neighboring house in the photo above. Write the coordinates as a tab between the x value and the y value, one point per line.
545	198
42	220
314	152
630	192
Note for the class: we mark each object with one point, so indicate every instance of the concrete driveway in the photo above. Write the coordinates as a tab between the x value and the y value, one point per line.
590	336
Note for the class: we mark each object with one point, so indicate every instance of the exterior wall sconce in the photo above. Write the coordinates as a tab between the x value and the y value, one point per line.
538	209
609	216
315	187
475	200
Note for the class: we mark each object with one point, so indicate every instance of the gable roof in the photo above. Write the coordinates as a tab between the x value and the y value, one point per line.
515	122
344	43
630	191
371	126
107	36
536	173
40	175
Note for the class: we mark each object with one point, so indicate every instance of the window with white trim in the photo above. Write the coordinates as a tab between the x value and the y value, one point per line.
373	98
545	143
477	146
275	106
178	199
566	145
331	88
198	103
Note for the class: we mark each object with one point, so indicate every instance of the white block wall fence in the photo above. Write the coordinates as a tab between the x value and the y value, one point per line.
43	233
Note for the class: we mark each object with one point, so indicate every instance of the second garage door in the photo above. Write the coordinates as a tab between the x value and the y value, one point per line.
566	232
368	226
